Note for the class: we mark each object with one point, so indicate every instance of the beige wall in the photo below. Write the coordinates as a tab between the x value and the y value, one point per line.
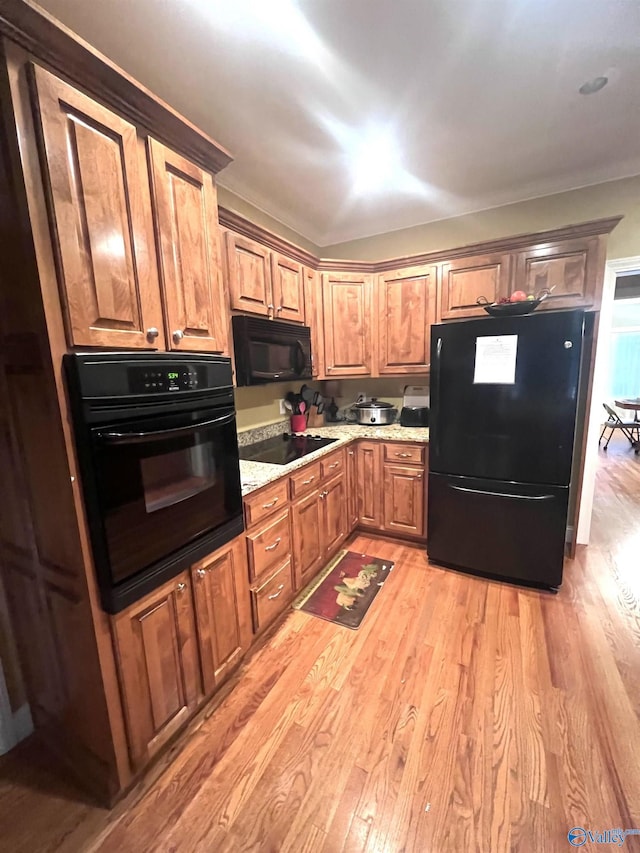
260	405
553	211
238	205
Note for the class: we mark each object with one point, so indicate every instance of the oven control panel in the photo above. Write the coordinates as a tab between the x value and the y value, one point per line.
149	379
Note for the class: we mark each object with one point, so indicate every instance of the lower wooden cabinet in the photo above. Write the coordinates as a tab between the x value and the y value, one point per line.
223	612
352	488
271	597
333	514
176	646
308	544
369	470
403	506
157	652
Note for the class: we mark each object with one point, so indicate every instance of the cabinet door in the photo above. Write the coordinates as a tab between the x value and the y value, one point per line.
570	267
186	218
352	488
288	288
156	648
101	231
334	514
313	314
347	324
249	273
403	501
406	312
465	279
223	611
369	468
308	543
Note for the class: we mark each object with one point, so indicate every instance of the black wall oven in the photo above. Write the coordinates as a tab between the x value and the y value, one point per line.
158	452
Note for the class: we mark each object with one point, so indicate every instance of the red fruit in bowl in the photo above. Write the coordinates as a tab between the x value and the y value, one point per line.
518	296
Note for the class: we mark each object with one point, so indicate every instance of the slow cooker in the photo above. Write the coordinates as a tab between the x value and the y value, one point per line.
375	412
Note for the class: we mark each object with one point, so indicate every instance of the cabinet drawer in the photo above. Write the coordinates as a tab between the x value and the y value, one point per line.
270	599
332	465
404	454
268	546
304	480
261	504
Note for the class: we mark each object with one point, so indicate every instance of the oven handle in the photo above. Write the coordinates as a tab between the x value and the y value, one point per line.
158	435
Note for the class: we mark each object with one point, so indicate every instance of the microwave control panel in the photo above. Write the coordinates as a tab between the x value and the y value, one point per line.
146	379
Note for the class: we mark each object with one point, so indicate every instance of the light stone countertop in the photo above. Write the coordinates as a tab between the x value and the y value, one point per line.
255	475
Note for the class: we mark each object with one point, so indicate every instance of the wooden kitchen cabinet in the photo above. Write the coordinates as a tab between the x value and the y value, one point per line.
333	508
465	279
352	487
156	648
287	280
570	267
348	333
403	504
406	302
308	537
369	468
223	612
314	319
248	275
186	219
101	227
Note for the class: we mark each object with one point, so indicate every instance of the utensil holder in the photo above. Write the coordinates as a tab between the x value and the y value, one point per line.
298	423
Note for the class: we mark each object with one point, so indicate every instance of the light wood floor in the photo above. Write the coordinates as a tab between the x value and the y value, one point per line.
463	716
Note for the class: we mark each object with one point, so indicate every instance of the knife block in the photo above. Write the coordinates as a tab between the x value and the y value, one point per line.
314	419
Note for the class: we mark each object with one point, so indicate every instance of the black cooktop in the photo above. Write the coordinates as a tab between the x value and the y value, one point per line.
283	448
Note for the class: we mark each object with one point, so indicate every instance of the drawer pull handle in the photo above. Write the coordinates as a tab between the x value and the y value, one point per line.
310	480
333	465
403	455
276	594
272	503
275	544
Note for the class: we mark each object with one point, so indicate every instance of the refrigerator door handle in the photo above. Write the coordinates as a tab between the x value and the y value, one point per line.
504	494
438	368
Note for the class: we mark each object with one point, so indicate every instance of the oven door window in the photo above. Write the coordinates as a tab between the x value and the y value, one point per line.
164	483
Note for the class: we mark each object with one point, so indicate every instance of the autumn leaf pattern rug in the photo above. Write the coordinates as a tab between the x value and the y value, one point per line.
344	589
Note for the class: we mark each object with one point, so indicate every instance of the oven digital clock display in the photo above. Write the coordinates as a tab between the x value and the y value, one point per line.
151	380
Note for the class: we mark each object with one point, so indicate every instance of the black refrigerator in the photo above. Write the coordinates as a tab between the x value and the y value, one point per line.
504	395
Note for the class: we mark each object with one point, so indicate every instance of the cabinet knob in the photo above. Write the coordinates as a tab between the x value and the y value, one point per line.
279	308
152	333
201	573
351	453
178	336
181	587
270	306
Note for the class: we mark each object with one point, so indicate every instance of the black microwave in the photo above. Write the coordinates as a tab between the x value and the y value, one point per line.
270	351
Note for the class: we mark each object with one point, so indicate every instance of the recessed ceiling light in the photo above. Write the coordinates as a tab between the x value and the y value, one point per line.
592	86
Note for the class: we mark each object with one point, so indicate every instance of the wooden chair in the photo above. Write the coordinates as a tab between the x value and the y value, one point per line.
629	428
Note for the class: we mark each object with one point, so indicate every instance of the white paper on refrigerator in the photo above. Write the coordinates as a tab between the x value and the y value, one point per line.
496	360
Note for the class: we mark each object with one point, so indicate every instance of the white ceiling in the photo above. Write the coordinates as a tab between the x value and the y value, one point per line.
481	96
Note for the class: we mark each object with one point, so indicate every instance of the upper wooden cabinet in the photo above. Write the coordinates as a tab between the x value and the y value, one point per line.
101	227
186	218
156	648
406	302
313	314
249	275
223	611
571	267
465	279
348	338
288	288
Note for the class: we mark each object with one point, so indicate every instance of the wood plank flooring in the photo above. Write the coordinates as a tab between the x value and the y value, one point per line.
464	715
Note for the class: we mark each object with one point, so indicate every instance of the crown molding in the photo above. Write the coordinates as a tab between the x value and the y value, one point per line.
541	239
50	42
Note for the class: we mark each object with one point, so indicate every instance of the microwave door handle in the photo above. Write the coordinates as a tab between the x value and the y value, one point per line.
159	435
300	349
